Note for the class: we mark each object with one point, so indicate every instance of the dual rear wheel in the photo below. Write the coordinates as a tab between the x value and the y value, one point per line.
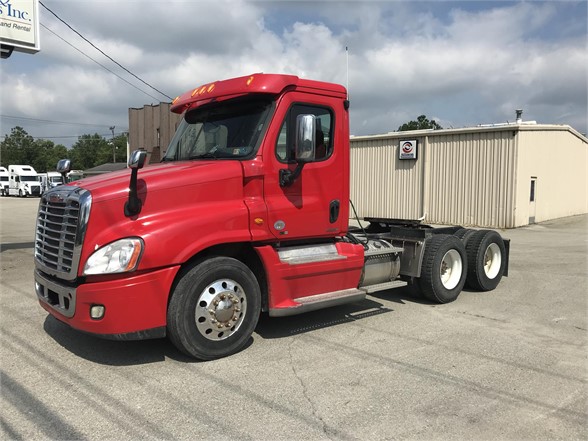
472	258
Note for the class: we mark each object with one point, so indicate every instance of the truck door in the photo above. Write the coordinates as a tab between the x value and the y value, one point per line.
316	203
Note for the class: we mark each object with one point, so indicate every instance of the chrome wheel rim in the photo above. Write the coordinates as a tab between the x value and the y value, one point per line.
220	310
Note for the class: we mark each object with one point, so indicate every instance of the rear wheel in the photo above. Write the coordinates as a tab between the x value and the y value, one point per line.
465	234
443	271
487	260
214	308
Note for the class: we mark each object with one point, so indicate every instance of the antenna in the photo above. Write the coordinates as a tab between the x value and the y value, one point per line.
347	69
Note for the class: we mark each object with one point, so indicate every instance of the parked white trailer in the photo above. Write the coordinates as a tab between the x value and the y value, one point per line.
24	181
4	178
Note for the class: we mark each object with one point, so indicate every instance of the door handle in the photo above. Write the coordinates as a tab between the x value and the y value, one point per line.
334	211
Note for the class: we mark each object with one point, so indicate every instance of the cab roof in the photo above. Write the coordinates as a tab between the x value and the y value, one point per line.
272	84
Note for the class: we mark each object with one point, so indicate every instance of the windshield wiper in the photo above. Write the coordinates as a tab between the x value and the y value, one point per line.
207	155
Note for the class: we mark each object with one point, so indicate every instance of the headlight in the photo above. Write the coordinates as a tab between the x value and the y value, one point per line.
116	257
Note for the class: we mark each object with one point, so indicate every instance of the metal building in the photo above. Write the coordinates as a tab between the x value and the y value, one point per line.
151	128
499	176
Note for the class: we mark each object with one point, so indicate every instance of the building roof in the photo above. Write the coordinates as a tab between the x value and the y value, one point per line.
523	126
105	168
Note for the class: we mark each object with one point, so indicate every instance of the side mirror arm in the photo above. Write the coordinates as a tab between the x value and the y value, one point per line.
134	204
287	177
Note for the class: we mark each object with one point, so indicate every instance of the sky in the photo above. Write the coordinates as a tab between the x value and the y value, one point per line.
461	63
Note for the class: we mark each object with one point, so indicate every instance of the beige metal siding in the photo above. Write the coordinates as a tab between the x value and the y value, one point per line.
558	159
464	178
471	179
381	184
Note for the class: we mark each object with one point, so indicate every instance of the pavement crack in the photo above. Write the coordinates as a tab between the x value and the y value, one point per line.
329	433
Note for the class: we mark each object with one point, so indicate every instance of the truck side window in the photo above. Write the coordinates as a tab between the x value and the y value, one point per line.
324	135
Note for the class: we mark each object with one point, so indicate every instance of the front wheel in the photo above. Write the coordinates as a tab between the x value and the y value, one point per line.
443	272
214	308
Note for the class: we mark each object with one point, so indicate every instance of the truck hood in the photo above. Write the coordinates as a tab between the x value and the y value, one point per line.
174	176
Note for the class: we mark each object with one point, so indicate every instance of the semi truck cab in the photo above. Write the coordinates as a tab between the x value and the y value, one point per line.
24	181
248	212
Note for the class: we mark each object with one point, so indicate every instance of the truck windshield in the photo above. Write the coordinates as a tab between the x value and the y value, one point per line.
29	179
229	130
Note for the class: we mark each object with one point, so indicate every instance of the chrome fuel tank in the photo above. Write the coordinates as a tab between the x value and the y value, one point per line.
382	262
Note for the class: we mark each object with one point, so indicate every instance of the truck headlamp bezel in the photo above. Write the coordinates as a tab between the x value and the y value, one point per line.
120	256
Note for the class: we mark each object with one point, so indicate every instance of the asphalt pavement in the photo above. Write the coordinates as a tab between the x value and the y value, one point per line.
510	364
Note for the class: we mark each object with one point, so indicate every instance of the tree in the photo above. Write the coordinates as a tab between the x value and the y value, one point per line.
87	151
421	123
21	148
17	147
93	150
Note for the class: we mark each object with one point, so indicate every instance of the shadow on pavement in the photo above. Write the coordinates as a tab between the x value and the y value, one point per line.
127	353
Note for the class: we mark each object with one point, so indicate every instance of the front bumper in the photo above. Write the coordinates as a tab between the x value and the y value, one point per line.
135	307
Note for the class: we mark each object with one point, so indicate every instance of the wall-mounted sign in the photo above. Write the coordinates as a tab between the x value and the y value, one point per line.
19	25
408	149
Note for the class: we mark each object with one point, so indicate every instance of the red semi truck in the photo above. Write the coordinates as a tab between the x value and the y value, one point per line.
247	212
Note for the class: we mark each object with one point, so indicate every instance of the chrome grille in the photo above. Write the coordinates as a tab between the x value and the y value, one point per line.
61	222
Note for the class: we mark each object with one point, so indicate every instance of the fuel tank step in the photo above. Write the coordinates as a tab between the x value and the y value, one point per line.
383	286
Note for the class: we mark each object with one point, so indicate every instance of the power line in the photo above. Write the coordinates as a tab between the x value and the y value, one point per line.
104	135
51	121
101	65
103	53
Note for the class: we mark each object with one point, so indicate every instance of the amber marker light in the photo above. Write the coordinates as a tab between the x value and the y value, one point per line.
258	221
250	80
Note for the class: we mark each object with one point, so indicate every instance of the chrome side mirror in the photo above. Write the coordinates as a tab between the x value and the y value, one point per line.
137	159
63	167
305	143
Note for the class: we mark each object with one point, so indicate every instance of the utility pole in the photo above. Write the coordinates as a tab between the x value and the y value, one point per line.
113	146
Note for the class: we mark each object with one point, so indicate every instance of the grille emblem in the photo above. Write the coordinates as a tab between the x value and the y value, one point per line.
56	198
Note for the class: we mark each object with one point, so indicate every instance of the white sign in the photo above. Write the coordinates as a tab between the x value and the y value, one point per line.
19	24
408	149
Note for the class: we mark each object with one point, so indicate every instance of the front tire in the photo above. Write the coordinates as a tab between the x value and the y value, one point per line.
214	308
443	272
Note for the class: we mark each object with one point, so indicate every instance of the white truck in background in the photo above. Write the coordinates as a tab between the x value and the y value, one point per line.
23	181
49	180
4	178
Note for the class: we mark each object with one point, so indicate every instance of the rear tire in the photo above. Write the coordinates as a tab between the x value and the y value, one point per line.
487	260
465	234
214	308
443	272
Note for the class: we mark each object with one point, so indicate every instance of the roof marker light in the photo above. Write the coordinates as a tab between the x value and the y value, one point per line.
250	80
